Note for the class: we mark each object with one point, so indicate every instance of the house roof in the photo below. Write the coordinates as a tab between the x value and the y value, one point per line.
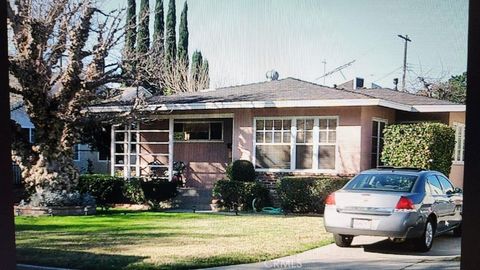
288	92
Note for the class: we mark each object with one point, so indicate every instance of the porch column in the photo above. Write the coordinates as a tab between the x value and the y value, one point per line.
170	148
112	151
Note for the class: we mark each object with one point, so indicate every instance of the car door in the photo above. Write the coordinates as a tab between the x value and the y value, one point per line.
440	202
452	207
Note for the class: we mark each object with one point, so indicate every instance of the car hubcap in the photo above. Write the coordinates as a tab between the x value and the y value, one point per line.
428	234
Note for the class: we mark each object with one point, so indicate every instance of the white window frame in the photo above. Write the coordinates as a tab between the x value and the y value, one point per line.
459	134
209	131
293	139
379	120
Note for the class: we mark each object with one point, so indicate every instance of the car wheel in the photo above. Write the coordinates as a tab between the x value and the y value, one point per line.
342	240
425	242
457	232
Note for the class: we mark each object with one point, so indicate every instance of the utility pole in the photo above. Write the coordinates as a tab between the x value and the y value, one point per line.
404	59
324	69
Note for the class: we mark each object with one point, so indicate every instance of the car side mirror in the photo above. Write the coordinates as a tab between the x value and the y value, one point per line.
457	190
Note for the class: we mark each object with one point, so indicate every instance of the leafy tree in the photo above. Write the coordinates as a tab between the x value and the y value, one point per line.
183	36
56	94
170	38
199	71
143	36
454	89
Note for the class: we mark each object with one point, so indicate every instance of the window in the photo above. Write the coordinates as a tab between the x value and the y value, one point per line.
434	185
76	152
447	186
103	153
458	155
273	143
378	126
327	143
296	143
198	131
383	182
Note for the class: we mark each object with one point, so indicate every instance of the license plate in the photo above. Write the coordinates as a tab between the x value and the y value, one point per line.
362	224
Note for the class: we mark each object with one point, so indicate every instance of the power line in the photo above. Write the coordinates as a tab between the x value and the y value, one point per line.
388	74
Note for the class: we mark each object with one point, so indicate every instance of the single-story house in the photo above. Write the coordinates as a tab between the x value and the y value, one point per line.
286	126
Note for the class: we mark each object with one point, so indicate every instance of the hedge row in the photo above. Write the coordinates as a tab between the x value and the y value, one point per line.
307	194
109	190
239	195
422	145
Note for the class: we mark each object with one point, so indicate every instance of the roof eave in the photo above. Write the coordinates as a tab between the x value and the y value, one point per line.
283	104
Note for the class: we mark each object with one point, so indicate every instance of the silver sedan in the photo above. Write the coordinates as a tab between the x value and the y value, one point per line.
399	203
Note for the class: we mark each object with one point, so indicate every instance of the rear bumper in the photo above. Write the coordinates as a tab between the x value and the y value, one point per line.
395	225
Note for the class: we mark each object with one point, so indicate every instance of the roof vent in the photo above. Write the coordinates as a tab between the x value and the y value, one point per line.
272	75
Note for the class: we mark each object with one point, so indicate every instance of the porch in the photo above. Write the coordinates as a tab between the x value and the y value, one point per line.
154	146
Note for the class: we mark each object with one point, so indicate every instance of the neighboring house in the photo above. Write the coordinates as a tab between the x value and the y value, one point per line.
287	126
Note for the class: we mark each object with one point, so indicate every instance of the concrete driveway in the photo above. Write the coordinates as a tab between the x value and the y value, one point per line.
368	253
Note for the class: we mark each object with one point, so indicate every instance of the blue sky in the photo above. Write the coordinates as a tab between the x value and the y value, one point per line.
243	39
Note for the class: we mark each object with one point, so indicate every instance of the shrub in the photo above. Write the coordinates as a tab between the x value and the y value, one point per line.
158	190
106	189
307	194
423	145
243	171
48	198
109	190
236	194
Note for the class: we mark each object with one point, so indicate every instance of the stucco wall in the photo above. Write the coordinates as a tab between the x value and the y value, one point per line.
368	114
456	174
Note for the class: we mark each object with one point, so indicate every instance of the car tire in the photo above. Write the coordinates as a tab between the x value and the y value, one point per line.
424	243
343	240
457	232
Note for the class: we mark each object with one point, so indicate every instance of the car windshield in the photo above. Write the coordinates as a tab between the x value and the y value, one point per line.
383	182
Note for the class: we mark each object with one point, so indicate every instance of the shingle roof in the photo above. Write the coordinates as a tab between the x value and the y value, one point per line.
288	89
293	89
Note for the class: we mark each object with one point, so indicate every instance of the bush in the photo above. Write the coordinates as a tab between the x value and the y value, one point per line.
423	145
307	194
106	189
243	171
109	190
236	194
158	190
48	198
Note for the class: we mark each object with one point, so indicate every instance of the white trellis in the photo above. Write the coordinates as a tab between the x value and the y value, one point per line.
134	146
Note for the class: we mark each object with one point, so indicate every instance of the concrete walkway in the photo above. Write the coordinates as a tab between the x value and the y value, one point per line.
368	253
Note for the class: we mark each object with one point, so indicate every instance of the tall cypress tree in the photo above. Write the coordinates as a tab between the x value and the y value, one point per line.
197	61
159	26
206	72
143	36
131	31
170	37
183	36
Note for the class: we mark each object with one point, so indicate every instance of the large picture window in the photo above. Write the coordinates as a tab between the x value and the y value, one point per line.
295	143
458	155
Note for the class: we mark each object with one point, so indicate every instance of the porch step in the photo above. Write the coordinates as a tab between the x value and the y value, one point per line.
189	198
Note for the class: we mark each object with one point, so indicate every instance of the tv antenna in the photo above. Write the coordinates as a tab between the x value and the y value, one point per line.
337	69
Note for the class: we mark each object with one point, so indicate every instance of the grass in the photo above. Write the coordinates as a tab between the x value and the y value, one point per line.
153	240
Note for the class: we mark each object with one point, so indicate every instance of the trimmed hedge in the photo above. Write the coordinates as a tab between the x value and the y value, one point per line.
422	145
307	194
239	195
241	170
108	190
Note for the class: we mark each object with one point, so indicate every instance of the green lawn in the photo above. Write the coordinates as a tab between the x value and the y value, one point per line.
152	240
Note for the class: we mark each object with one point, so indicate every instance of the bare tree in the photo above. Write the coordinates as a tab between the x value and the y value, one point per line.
61	59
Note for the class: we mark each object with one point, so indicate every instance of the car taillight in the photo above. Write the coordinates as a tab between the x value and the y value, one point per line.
404	204
330	200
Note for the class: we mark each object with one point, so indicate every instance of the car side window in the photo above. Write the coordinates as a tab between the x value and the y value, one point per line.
447	186
434	185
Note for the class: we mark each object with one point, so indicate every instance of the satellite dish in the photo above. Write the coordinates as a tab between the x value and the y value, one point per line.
272	75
